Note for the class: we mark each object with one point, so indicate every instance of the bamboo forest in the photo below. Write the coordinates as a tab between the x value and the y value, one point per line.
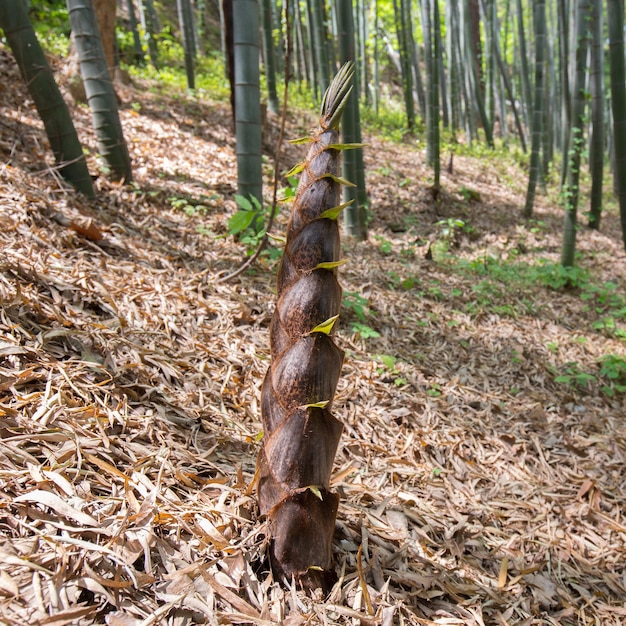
313	312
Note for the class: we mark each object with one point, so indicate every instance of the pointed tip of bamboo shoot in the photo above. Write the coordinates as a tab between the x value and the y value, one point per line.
336	96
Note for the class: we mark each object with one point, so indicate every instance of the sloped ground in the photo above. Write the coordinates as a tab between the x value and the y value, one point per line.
475	489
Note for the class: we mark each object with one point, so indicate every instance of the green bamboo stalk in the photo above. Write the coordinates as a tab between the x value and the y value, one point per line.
403	49
566	98
572	191
99	89
248	129
353	167
37	75
132	18
320	44
537	124
150	28
185	19
596	147
269	55
615	19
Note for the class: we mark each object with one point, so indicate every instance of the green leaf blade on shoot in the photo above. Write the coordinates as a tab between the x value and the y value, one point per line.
301	140
335	212
317	405
339	180
329	265
326	327
278	238
315	490
296	169
346	146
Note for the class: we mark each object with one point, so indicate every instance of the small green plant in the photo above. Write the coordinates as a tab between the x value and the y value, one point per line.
248	224
390	370
250	211
434	291
364	331
359	305
574	377
469	195
608	302
603	296
384	170
408	283
434	391
536	226
556	276
384	245
516	356
356	303
613	370
187	205
289	192
450	231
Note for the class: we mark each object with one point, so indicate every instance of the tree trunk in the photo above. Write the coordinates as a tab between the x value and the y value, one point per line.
525	72
300	433
405	64
428	64
248	129
269	55
430	16
572	190
353	168
535	153
510	95
320	44
615	18
226	18
185	19
105	16
474	74
150	28
37	75
132	18
596	148
99	89
566	99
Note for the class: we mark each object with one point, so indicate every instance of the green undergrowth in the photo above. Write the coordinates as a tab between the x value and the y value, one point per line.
52	26
509	287
170	78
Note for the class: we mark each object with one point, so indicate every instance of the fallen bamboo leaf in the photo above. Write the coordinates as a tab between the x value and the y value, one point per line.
502	575
39	496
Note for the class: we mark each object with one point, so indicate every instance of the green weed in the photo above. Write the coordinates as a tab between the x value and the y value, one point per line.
555	276
390	370
355	302
384	245
613	370
574	377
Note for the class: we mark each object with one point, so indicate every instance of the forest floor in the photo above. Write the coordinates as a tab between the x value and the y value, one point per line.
482	468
